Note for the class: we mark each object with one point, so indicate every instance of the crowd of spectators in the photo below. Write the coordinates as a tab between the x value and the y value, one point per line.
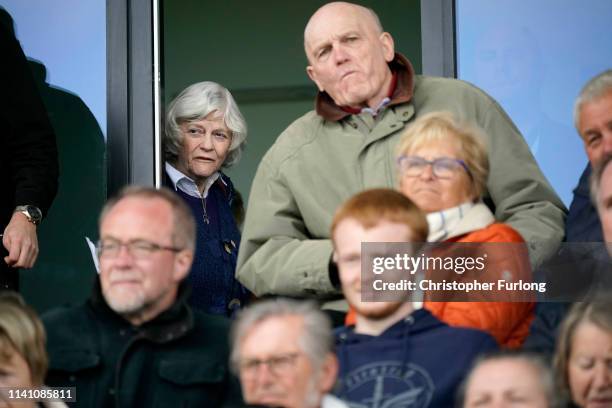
186	312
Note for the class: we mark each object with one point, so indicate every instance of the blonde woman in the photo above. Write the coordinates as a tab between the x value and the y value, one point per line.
443	167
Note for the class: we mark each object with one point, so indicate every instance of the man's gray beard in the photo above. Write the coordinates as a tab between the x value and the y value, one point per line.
126	307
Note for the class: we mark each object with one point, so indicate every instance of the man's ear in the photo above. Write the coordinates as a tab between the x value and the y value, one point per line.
388	46
182	264
329	373
313	77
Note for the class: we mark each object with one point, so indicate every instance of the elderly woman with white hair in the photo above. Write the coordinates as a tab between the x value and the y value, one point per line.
205	132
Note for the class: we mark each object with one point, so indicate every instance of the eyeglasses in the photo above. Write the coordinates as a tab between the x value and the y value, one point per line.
442	167
139	249
278	365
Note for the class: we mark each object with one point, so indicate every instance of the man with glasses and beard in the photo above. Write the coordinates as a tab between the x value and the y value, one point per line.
136	342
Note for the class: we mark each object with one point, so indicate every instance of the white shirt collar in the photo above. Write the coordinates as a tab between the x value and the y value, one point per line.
330	401
186	184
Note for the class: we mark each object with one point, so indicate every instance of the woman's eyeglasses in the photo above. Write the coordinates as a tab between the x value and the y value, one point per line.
442	167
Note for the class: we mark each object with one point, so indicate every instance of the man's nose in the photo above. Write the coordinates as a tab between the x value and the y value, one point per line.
340	54
124	256
265	376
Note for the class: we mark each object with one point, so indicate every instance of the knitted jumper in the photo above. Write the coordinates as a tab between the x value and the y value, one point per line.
215	290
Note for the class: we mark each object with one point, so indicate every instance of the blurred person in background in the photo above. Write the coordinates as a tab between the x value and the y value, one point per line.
593	121
509	379
283	353
601	195
583	360
23	358
395	354
136	341
584	256
28	160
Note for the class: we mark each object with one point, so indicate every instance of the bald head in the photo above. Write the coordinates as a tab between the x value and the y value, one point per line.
321	16
348	54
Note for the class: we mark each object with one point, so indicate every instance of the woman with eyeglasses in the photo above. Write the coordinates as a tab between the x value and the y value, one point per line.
205	132
443	167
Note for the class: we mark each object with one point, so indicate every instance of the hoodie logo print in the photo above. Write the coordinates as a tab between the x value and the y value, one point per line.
388	384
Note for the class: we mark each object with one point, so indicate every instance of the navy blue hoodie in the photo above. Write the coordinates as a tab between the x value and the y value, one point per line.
417	362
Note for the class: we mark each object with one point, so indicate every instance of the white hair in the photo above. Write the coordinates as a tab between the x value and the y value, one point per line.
594	89
196	102
317	339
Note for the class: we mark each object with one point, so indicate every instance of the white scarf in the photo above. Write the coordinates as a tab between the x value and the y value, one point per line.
441	223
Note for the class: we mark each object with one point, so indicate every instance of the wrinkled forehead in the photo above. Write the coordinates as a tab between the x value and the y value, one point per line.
335	21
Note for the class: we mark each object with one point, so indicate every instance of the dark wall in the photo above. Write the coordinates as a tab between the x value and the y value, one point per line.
255	49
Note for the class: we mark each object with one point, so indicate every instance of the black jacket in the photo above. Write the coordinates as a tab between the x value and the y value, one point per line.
28	154
582	223
179	359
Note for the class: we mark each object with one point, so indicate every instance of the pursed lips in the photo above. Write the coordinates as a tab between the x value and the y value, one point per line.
346	74
426	190
204	159
125	281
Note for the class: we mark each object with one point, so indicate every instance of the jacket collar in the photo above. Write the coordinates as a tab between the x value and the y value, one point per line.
169	325
327	108
170	179
477	217
417	321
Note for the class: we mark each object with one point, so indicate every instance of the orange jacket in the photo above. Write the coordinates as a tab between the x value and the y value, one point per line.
508	322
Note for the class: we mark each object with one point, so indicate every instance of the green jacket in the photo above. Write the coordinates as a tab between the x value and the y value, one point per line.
316	164
179	359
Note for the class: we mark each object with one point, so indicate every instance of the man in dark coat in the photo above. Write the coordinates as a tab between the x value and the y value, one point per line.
593	120
136	342
28	160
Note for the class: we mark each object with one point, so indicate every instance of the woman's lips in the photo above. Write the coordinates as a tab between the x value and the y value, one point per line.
600	402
